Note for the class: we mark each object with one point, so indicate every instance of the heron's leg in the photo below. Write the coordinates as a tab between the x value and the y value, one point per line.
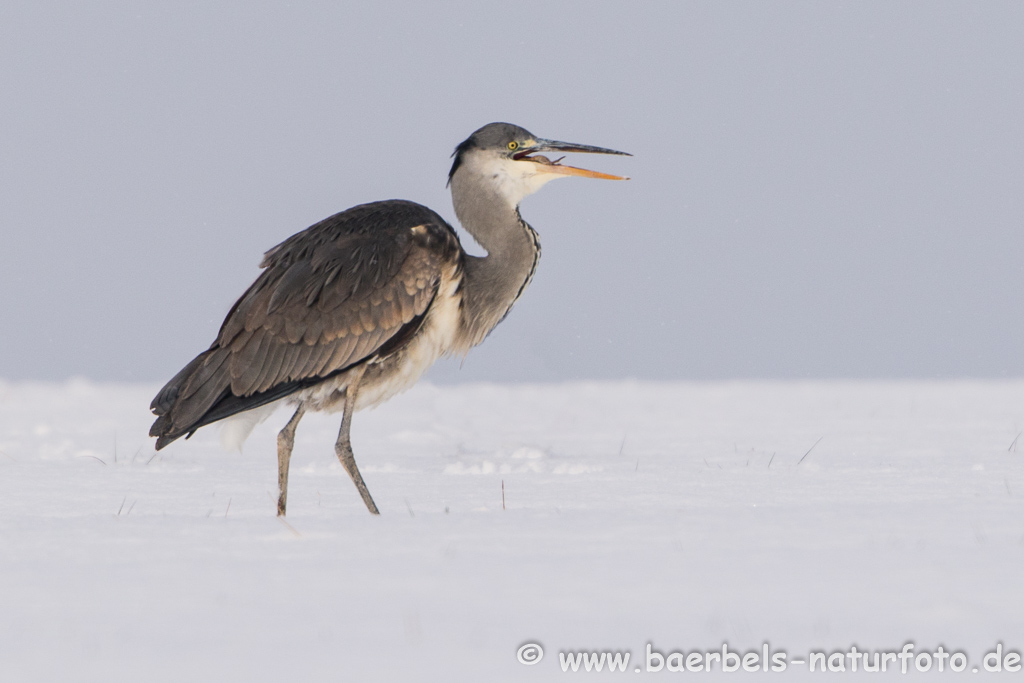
343	447
285	442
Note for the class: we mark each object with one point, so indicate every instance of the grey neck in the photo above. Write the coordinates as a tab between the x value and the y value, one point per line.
491	283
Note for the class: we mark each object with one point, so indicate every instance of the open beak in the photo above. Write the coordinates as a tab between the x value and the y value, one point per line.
545	165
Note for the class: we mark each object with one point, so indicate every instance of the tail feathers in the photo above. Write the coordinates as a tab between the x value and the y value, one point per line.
208	383
165	399
201	394
181	405
160	430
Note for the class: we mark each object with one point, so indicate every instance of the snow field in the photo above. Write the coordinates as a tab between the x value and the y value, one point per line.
674	514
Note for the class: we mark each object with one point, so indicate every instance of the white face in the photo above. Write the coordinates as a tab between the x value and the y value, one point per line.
512	179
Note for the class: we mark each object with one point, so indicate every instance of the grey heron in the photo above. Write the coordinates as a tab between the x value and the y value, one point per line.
352	310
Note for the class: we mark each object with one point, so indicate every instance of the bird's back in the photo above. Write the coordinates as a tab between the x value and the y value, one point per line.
352	288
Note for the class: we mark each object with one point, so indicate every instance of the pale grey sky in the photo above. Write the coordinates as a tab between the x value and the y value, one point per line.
819	189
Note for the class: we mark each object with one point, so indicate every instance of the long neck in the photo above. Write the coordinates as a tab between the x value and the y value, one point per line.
492	283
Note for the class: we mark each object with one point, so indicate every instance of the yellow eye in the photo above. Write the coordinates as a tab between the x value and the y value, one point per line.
513	145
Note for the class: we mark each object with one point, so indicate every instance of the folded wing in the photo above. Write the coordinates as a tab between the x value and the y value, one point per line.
346	290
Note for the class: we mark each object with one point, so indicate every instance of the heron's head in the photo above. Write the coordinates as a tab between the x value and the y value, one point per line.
511	159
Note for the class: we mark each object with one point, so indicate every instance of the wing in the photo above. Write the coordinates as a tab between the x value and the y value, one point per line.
353	287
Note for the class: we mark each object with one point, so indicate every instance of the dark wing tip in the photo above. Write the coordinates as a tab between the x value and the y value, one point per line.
164	401
162	429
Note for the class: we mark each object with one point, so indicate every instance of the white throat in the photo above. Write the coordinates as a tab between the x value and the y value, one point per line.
513	180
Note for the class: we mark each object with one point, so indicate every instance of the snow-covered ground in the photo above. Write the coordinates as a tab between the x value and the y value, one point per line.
679	515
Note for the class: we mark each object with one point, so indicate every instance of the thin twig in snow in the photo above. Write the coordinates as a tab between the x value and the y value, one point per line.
408	507
130	507
810	449
1013	445
228	508
770	460
122	505
502	494
289	527
86	455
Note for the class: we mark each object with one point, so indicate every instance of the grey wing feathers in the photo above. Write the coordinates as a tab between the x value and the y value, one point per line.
328	298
